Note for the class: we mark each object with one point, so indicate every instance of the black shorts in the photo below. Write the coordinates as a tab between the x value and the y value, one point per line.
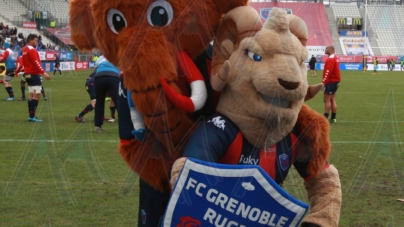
312	67
33	79
91	92
10	72
331	88
57	65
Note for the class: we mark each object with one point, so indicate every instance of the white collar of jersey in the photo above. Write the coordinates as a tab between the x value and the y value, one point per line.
332	56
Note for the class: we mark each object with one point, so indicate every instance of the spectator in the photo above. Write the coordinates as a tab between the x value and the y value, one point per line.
388	64
312	65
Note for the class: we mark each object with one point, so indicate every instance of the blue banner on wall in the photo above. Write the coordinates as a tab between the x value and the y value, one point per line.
66	56
350	66
48	66
352	33
211	194
342	66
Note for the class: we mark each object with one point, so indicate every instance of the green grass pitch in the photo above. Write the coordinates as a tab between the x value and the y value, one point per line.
62	173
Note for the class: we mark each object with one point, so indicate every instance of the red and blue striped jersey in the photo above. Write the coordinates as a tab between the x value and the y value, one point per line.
218	139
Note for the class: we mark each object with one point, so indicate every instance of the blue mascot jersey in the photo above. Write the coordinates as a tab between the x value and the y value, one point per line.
219	140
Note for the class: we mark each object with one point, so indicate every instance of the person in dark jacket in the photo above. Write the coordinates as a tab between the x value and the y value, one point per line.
312	64
106	80
57	65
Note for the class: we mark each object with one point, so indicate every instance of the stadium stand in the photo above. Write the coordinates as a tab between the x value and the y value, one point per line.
313	14
387	23
334	30
343	10
16	9
57	8
12	8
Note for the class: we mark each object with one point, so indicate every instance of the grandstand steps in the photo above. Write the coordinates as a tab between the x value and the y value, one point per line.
334	30
371	34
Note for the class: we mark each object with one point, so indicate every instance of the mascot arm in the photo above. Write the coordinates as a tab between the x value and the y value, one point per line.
137	119
196	81
324	193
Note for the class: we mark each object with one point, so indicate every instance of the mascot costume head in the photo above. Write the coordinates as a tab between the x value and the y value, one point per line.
153	43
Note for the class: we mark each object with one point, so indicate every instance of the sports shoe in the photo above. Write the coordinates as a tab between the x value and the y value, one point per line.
98	129
10	99
34	119
112	120
45	98
21	99
332	121
80	119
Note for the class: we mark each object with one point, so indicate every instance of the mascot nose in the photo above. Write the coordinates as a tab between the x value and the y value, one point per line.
288	85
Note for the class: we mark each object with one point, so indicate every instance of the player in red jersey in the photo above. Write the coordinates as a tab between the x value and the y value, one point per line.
20	70
33	71
331	80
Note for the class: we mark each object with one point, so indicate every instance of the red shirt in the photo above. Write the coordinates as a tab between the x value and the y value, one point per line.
20	65
5	56
32	62
331	73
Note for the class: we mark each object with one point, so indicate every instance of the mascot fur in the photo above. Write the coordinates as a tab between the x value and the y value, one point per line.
154	43
262	77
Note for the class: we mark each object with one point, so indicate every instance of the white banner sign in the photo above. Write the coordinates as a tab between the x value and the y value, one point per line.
383	67
42	55
349	21
355	46
67	65
315	50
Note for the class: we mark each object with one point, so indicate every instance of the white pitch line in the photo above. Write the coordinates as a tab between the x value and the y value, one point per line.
58	141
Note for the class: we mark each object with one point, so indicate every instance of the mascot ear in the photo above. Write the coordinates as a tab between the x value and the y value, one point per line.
231	31
82	24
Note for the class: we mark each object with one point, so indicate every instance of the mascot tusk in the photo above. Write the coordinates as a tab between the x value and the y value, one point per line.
195	79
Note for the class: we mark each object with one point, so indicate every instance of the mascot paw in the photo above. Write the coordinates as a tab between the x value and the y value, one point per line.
176	169
139	134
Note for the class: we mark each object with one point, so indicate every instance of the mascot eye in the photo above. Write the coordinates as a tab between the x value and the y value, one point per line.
254	56
116	20
160	13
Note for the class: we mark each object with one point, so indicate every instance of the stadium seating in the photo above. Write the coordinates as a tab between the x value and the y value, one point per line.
16	9
387	23
11	9
344	11
58	8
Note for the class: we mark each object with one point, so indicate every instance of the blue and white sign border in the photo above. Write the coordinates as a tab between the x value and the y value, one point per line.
214	169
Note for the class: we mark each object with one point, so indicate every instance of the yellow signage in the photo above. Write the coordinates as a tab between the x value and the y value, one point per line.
357	21
4	72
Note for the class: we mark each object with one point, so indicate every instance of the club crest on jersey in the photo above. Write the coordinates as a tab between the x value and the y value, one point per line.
284	161
218	122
